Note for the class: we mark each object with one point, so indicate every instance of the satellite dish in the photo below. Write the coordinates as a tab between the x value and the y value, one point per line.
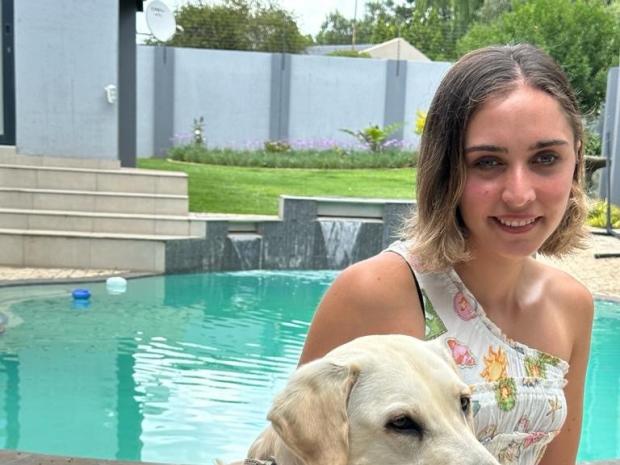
160	21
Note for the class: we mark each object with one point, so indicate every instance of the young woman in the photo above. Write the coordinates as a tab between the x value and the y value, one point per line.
499	180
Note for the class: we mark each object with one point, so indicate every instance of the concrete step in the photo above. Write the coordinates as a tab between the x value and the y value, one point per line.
88	179
93	202
100	222
9	155
69	249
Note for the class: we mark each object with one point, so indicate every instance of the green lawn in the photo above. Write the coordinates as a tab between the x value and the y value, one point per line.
228	189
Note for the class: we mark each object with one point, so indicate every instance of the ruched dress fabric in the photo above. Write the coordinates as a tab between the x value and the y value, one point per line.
517	391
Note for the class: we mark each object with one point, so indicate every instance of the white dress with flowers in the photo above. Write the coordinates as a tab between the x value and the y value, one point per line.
518	397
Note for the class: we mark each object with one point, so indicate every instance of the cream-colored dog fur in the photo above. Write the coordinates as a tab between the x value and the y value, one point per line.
389	400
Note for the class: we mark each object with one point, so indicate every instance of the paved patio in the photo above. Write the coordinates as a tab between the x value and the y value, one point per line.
600	275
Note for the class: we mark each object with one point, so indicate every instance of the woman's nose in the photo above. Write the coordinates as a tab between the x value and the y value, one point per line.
518	189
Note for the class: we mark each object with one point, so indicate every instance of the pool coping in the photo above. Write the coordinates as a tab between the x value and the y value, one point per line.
138	275
12	457
76	280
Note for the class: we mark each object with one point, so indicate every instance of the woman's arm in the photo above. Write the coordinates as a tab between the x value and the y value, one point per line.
563	449
374	296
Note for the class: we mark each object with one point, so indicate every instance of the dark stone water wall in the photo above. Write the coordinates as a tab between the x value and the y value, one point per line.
309	234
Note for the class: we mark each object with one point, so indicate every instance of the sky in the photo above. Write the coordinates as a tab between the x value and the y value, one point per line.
309	14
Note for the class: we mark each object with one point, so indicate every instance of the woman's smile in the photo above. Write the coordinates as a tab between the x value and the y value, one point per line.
516	225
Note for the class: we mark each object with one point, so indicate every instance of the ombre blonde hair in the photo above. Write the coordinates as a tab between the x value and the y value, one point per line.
436	231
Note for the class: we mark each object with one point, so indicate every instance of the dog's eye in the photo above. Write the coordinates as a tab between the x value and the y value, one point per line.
404	424
465	403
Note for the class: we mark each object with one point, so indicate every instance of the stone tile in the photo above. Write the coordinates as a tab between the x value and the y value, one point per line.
48	251
18	177
59	222
124	225
124	204
16	199
66	180
61	202
128	254
12	249
13	221
117	182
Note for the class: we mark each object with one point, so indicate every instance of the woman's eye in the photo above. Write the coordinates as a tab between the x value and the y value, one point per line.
545	159
487	163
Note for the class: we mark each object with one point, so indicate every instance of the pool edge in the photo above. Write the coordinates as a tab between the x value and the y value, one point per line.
12	457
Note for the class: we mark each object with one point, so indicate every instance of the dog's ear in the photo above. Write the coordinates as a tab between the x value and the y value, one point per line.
440	347
310	415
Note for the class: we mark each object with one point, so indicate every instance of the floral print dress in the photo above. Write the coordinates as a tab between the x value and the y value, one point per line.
518	396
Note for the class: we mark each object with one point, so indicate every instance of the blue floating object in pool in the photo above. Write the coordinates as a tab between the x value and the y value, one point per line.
82	304
81	294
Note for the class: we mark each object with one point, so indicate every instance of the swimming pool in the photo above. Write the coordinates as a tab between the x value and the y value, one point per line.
183	368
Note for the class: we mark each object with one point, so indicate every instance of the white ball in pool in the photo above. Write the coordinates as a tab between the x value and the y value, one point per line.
116	285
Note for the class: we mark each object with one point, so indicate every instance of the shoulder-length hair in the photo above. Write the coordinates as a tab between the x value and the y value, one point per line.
436	231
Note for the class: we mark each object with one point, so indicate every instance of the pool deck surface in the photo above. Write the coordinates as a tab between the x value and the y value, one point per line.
600	275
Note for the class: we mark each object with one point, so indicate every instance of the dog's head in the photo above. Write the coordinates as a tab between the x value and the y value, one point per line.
391	399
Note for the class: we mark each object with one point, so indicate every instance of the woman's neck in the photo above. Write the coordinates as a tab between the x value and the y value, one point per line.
497	282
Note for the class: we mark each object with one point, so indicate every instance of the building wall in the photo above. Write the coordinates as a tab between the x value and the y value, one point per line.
231	90
66	53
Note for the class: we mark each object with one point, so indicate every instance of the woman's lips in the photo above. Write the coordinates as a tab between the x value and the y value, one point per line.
516	225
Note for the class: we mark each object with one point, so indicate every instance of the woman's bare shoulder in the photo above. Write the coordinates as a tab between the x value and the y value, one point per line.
569	295
374	296
383	278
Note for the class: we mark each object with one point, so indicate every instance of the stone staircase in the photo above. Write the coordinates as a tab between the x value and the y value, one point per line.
57	212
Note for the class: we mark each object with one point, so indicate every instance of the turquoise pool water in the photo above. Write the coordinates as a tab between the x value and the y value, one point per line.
182	369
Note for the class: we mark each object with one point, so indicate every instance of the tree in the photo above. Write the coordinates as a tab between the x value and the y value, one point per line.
582	35
338	30
433	26
491	9
238	25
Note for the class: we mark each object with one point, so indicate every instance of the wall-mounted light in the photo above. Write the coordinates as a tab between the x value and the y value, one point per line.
111	93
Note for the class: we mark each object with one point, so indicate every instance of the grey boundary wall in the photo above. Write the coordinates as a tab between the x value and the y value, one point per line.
247	98
310	233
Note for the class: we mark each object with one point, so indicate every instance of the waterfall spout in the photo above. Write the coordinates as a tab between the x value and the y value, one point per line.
340	237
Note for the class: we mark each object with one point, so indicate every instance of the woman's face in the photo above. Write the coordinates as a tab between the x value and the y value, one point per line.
520	157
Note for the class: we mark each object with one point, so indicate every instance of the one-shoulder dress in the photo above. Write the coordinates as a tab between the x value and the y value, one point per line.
517	391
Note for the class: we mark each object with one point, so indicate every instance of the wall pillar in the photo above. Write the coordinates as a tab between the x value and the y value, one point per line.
163	100
395	96
126	86
280	96
611	137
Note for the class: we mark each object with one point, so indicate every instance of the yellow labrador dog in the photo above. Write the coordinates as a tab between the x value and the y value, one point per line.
390	400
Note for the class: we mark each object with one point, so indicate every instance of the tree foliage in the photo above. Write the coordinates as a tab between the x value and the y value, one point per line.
582	35
238	25
338	30
433	26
